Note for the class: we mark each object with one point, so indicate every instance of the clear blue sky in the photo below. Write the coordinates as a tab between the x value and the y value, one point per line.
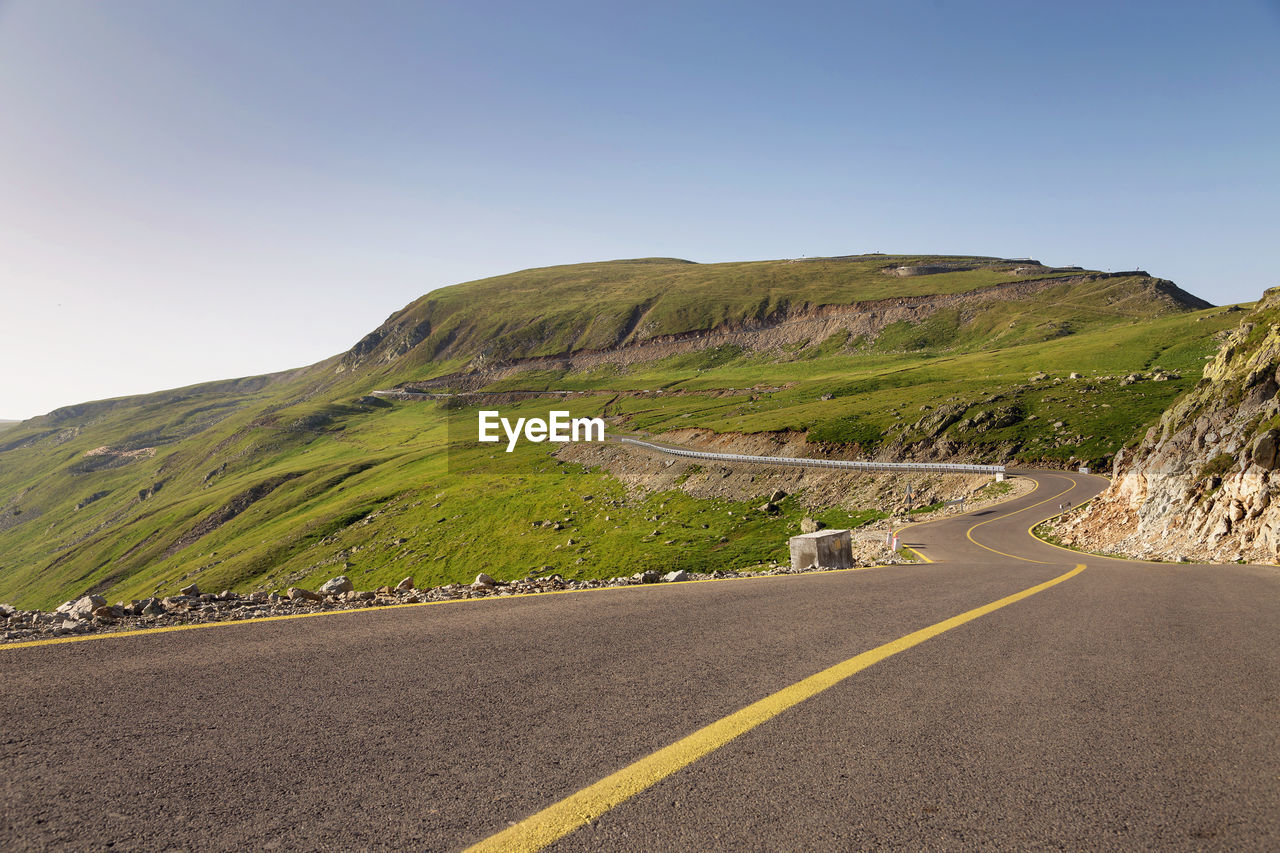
191	191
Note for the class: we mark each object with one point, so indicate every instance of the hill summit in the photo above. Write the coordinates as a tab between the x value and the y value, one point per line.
598	307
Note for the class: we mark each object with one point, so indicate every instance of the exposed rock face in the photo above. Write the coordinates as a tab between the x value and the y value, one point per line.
1202	483
645	471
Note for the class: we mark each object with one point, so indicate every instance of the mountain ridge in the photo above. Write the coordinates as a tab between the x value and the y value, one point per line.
865	318
563	320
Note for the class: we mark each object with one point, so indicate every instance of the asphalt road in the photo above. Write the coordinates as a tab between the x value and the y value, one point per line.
1128	706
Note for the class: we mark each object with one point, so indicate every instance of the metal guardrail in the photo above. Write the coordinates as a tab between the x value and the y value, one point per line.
943	467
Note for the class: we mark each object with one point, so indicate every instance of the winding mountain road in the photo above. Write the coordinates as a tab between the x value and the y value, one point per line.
1000	697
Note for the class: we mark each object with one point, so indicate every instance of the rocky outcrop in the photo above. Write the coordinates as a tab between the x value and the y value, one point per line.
1025	266
1203	483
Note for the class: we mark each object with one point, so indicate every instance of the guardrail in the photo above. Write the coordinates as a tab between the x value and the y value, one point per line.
942	467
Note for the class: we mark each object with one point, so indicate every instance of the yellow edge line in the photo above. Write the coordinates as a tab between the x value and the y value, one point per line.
232	623
968	534
579	809
919	554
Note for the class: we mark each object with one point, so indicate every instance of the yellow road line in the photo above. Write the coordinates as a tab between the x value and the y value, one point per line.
919	554
579	809
968	534
906	527
231	623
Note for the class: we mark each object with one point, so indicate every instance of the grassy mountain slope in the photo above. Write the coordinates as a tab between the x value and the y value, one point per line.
295	477
601	306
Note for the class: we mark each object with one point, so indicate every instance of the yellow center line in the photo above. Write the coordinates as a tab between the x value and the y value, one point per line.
968	534
579	809
232	623
921	554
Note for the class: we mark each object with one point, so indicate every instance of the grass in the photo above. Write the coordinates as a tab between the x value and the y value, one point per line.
995	490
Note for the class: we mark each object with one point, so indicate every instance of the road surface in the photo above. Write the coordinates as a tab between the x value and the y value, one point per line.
1123	706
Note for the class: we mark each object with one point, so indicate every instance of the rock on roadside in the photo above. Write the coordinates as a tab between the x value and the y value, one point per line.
90	614
341	583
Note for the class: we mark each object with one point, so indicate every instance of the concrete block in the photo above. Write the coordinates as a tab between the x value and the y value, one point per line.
828	549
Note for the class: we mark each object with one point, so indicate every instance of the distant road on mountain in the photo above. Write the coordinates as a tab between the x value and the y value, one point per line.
1009	695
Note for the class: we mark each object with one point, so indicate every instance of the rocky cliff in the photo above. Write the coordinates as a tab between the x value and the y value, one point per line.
1203	482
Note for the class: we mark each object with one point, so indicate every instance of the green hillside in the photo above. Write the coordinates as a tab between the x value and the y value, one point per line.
295	477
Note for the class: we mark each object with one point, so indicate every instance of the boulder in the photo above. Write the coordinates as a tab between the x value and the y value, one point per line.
153	607
777	495
297	594
808	525
483	580
341	583
83	608
190	590
676	576
405	585
1264	448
